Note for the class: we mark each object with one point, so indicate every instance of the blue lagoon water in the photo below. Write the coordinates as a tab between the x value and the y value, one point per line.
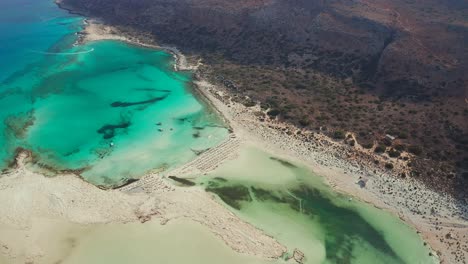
107	109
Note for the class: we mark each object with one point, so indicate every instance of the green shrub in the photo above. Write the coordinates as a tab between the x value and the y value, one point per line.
249	103
273	112
380	149
416	150
339	134
367	145
399	134
304	122
400	147
388	165
394	153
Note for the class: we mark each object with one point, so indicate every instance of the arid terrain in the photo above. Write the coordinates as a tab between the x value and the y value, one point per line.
393	73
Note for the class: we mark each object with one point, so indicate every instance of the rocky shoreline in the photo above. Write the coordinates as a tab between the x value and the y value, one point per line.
441	220
436	216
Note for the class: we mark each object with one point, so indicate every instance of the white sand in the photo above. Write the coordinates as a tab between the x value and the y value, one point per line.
179	241
39	212
28	198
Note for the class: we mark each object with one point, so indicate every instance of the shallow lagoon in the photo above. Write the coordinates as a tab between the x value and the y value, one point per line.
110	110
283	199
98	107
296	207
114	110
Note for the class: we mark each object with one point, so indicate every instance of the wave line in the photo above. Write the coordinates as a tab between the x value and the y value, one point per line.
62	53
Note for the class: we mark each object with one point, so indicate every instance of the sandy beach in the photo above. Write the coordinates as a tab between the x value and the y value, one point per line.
33	204
441	220
32	201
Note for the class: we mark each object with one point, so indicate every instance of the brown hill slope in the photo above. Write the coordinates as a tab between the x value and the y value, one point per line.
378	67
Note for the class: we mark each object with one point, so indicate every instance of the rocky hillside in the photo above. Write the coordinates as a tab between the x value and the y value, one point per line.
397	67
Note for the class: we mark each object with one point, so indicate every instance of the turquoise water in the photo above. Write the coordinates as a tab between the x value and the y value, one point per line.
106	109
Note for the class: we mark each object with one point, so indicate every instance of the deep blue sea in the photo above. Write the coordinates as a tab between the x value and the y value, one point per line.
28	26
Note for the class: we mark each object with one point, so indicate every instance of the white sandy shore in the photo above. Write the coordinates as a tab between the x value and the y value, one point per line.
95	30
33	203
75	201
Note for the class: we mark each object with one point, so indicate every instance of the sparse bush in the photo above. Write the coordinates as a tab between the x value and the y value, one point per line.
339	134
380	149
273	112
388	165
249	103
416	150
387	142
400	147
304	122
394	153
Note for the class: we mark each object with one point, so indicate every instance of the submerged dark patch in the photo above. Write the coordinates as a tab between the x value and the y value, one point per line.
182	181
152	90
18	125
108	131
343	226
196	134
124	183
220	179
266	195
232	195
182	119
284	162
149	101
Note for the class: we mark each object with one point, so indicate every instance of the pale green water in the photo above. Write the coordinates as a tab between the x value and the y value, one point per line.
293	205
98	107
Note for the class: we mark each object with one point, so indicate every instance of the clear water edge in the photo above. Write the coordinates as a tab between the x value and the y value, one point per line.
72	90
89	75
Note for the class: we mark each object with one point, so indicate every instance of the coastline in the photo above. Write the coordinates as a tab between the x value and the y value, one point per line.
382	190
33	203
321	156
430	213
